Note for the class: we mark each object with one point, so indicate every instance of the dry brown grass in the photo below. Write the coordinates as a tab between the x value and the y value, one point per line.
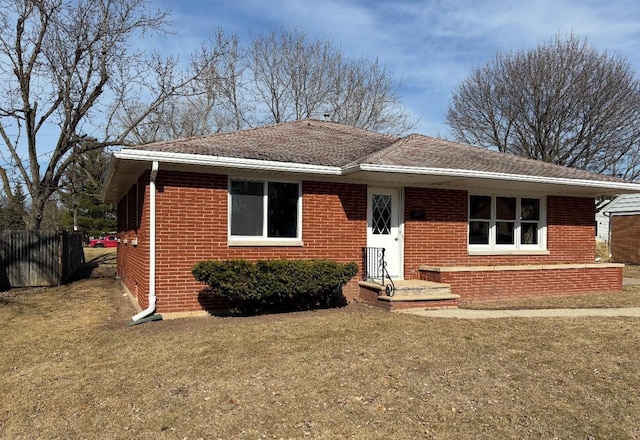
631	271
101	256
629	297
71	368
602	251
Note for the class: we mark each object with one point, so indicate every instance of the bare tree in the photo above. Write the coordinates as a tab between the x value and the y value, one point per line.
292	74
214	100
297	77
274	77
64	65
562	102
231	68
363	94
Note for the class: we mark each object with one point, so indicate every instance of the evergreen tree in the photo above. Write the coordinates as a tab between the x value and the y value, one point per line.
82	192
13	210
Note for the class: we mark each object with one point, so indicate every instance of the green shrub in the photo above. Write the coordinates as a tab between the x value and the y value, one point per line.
276	284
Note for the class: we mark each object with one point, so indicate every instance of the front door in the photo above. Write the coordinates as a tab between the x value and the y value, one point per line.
383	226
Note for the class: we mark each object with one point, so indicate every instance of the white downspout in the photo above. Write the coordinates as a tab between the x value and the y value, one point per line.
152	245
609	247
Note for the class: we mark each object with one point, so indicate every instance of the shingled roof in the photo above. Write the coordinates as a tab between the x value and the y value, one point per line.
309	142
426	152
328	148
314	142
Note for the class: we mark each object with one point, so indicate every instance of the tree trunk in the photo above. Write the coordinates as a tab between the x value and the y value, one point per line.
34	217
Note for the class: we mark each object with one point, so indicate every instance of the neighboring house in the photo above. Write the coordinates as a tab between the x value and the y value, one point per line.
489	225
624	214
602	221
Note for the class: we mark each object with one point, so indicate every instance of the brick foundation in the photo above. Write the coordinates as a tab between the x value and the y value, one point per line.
490	284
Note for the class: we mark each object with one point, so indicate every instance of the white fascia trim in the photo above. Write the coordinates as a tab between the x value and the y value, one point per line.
228	162
293	167
634	187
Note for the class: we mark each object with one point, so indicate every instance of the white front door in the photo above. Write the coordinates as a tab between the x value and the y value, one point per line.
383	226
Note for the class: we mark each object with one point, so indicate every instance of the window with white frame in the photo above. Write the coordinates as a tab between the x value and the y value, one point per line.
264	209
506	222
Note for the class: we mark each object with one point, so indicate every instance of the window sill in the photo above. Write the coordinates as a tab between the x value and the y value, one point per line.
265	243
509	252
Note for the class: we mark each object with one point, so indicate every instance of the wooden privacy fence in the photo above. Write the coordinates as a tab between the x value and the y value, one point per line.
29	259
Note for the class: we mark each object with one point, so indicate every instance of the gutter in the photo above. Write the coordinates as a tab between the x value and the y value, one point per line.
460	173
146	313
301	168
228	162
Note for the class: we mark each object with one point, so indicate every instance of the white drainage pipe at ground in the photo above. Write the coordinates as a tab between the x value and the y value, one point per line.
152	246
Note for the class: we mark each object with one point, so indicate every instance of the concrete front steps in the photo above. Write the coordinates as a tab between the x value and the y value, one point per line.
409	294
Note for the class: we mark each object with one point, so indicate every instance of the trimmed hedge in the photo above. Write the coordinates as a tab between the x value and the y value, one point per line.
276	284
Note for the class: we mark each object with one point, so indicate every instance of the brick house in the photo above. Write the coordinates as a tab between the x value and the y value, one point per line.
482	225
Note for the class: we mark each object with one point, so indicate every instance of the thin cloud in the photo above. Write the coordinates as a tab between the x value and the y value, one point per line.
433	45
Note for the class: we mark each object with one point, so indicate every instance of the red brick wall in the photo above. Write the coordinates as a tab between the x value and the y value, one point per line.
192	226
191	215
133	261
441	238
625	238
492	285
571	229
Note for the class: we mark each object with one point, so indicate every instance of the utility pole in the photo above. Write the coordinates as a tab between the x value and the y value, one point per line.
74	193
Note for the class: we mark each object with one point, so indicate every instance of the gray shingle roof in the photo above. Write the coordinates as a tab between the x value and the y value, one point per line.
325	143
423	151
307	142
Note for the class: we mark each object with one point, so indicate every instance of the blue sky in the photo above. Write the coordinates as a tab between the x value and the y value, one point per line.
432	45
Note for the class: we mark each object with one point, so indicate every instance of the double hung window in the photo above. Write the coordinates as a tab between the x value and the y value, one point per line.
506	222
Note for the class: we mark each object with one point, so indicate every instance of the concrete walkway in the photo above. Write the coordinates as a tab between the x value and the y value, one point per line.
539	313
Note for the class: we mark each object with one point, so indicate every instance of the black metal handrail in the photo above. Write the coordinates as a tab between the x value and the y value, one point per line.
374	268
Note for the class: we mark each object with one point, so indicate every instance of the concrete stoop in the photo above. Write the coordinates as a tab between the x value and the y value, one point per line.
409	294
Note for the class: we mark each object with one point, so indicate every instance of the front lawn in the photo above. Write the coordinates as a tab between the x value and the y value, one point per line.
629	297
631	271
71	368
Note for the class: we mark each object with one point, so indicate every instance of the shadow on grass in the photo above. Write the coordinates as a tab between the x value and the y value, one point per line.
217	305
13	295
106	262
100	266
